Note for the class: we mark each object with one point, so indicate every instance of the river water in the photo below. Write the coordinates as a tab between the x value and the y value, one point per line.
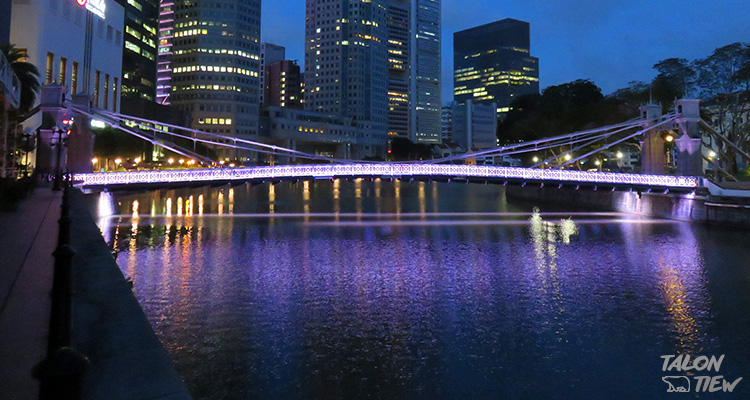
396	290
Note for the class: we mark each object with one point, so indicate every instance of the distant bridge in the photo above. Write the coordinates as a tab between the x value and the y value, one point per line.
140	180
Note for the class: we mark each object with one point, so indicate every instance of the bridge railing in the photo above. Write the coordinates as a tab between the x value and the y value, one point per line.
381	170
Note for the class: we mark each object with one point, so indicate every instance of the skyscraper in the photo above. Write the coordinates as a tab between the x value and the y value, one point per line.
269	54
414	69
282	85
377	62
139	52
492	64
209	63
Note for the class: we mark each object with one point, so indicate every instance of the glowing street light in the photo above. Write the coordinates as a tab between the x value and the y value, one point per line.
619	154
182	161
118	161
535	159
597	163
669	138
568	157
94	160
711	154
137	160
170	161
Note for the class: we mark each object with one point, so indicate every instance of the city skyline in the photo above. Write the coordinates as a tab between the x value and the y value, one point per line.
605	42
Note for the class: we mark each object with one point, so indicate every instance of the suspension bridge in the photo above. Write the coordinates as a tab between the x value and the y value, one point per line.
684	124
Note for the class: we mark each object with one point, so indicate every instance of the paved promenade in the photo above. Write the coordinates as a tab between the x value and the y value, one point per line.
127	360
27	238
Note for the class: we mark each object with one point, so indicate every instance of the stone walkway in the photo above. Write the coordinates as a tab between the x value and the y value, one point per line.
127	360
27	238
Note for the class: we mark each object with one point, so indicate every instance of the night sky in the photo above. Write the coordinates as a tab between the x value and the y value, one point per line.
609	42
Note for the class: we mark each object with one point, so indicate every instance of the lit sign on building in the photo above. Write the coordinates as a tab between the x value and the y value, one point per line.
95	6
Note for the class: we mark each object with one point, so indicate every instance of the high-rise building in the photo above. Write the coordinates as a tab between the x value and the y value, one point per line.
474	126
377	62
213	71
139	52
414	69
446	123
283	86
346	63
492	64
269	54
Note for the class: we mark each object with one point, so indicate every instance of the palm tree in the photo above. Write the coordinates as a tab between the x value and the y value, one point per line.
28	76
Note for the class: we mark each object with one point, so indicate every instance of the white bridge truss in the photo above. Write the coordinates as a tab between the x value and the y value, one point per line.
620	181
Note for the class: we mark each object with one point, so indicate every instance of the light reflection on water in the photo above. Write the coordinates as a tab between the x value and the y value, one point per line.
354	289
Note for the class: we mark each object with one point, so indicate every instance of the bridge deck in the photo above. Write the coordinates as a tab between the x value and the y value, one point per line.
479	173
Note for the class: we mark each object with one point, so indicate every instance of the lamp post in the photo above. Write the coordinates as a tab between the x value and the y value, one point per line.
58	173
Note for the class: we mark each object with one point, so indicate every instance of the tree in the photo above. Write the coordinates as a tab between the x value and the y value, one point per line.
27	75
724	84
676	79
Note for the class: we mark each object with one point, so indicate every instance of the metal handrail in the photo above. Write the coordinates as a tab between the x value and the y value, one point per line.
10	85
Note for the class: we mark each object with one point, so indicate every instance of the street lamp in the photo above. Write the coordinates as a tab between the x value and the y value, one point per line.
58	175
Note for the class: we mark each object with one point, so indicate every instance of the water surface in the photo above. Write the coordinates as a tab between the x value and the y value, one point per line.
343	290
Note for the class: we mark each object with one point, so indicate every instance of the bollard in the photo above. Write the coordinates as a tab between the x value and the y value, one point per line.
61	371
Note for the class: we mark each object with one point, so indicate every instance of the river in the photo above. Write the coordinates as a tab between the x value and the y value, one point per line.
397	290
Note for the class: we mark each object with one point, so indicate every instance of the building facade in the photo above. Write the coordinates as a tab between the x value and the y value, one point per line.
213	72
269	54
323	134
446	123
87	58
346	63
283	85
492	64
139	52
414	69
377	62
474	125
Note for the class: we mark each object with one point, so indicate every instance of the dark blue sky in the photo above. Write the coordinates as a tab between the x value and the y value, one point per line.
609	42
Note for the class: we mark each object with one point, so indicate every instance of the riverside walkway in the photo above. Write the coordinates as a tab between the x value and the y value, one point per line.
109	327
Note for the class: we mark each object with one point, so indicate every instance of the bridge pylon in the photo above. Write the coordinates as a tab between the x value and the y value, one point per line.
81	140
653	157
689	142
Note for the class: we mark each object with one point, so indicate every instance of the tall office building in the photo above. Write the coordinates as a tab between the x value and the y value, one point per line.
211	63
139	52
269	54
283	86
492	64
377	62
414	69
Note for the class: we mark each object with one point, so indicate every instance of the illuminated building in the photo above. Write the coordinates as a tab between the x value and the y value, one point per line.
346	63
492	64
446	123
211	64
139	52
87	58
414	70
377	62
269	54
283	87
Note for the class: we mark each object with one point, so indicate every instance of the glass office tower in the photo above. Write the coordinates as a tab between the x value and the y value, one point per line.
492	64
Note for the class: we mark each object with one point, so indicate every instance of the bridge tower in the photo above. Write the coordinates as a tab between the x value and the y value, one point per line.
653	157
689	156
81	140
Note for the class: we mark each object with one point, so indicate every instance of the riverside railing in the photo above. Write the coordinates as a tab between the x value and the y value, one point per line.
62	370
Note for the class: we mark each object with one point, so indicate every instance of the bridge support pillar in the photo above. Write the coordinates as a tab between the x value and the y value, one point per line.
689	144
653	157
81	140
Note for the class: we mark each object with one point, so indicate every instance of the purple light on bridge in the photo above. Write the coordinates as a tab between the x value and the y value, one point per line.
383	170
